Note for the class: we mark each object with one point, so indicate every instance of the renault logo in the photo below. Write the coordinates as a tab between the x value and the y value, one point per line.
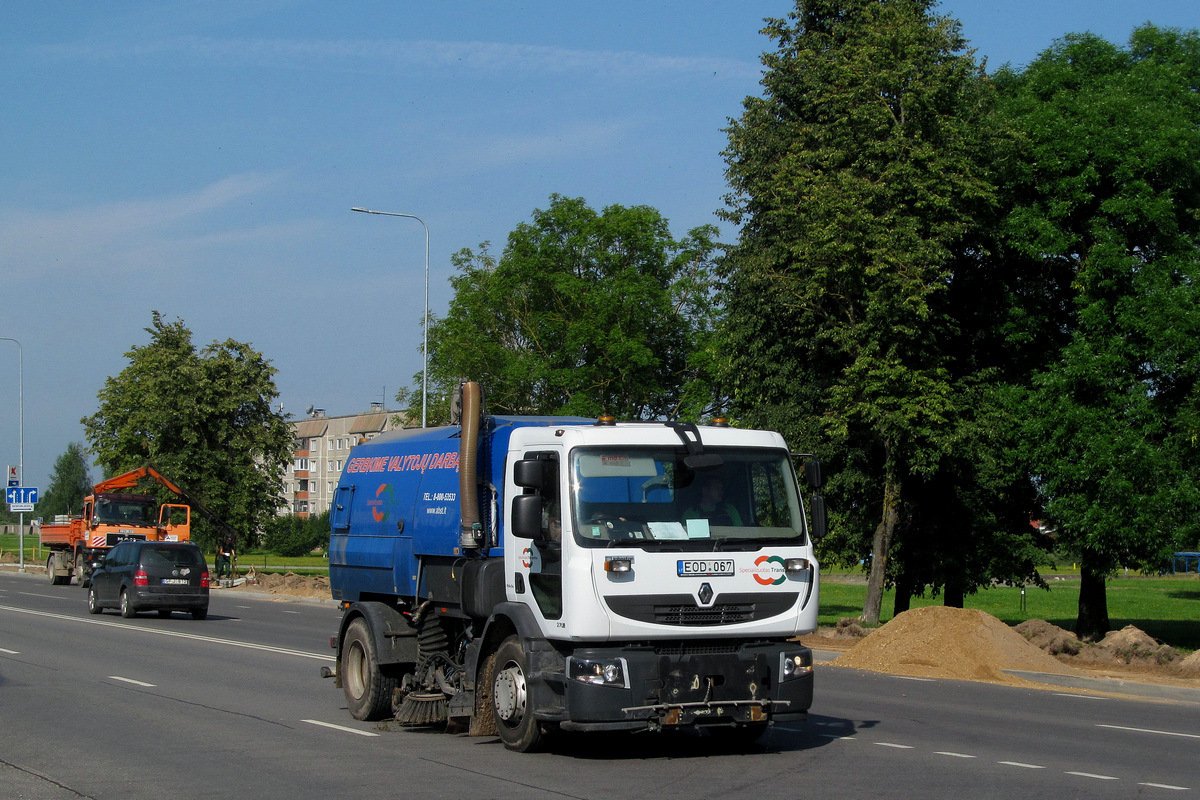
705	595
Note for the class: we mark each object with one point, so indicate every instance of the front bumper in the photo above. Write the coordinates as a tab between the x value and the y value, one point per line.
676	685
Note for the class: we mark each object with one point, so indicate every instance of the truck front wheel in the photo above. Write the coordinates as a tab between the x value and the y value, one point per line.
368	691
510	699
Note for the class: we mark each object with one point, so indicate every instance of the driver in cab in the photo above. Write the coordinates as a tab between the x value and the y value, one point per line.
712	505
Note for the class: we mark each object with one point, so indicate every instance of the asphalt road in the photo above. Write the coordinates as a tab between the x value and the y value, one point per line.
233	706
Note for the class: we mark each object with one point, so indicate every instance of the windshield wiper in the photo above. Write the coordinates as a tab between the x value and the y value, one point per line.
751	544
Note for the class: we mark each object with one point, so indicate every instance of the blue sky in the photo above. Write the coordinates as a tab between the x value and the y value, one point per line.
201	159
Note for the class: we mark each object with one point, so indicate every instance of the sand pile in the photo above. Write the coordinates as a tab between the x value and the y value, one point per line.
955	643
289	584
1128	647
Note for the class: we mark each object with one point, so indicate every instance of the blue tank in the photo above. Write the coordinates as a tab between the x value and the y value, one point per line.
397	505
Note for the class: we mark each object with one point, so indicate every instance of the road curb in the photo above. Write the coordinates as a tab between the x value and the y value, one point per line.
1152	691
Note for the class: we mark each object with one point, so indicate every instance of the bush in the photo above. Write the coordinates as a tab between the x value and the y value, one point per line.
296	536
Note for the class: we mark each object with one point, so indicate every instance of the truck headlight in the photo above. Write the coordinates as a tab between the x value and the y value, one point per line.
795	664
599	671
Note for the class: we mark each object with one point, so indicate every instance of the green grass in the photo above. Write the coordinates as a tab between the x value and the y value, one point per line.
316	565
1166	608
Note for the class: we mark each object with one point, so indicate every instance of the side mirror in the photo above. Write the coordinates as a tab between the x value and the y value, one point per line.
819	522
526	516
530	473
814	470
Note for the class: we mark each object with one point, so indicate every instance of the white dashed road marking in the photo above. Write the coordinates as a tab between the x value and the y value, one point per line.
131	680
1093	775
1151	730
342	728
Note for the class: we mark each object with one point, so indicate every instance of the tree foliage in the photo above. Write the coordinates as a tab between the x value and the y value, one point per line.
583	313
291	535
203	418
1107	192
70	482
860	179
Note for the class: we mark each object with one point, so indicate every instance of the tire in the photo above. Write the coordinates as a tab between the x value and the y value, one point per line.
93	602
510	699
199	613
368	691
55	580
80	575
127	609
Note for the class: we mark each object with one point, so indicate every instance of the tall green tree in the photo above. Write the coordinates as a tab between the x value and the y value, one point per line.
1107	193
70	482
859	179
203	418
584	313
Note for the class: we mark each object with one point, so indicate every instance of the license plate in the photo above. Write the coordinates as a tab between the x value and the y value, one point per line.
705	568
175	581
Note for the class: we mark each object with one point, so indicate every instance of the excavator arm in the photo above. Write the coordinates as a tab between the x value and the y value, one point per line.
129	480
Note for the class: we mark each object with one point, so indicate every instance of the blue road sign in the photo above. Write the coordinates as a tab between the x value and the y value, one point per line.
20	495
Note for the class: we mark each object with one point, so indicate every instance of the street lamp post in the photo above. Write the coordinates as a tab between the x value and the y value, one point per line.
425	319
20	442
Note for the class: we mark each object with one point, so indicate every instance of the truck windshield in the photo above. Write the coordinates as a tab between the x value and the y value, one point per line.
638	496
118	512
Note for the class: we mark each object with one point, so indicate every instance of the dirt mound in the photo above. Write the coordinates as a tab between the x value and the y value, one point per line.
288	584
955	643
1129	647
1054	640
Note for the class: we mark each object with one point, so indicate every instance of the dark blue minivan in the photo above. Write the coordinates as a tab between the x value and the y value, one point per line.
139	576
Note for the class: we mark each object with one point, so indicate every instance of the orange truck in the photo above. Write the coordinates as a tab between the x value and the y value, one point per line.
112	513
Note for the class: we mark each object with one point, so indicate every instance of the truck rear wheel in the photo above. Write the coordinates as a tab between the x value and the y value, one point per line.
368	691
510	699
55	580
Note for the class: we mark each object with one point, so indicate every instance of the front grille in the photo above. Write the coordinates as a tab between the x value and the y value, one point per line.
719	614
682	610
692	647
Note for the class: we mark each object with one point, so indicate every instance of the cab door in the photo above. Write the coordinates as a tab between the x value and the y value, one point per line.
175	522
538	563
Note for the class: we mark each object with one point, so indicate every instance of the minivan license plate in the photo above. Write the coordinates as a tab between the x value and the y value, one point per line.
705	567
175	581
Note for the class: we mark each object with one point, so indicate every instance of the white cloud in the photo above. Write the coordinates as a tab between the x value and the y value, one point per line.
405	56
486	150
119	236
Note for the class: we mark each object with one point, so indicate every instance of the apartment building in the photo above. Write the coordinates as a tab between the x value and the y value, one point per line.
323	446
